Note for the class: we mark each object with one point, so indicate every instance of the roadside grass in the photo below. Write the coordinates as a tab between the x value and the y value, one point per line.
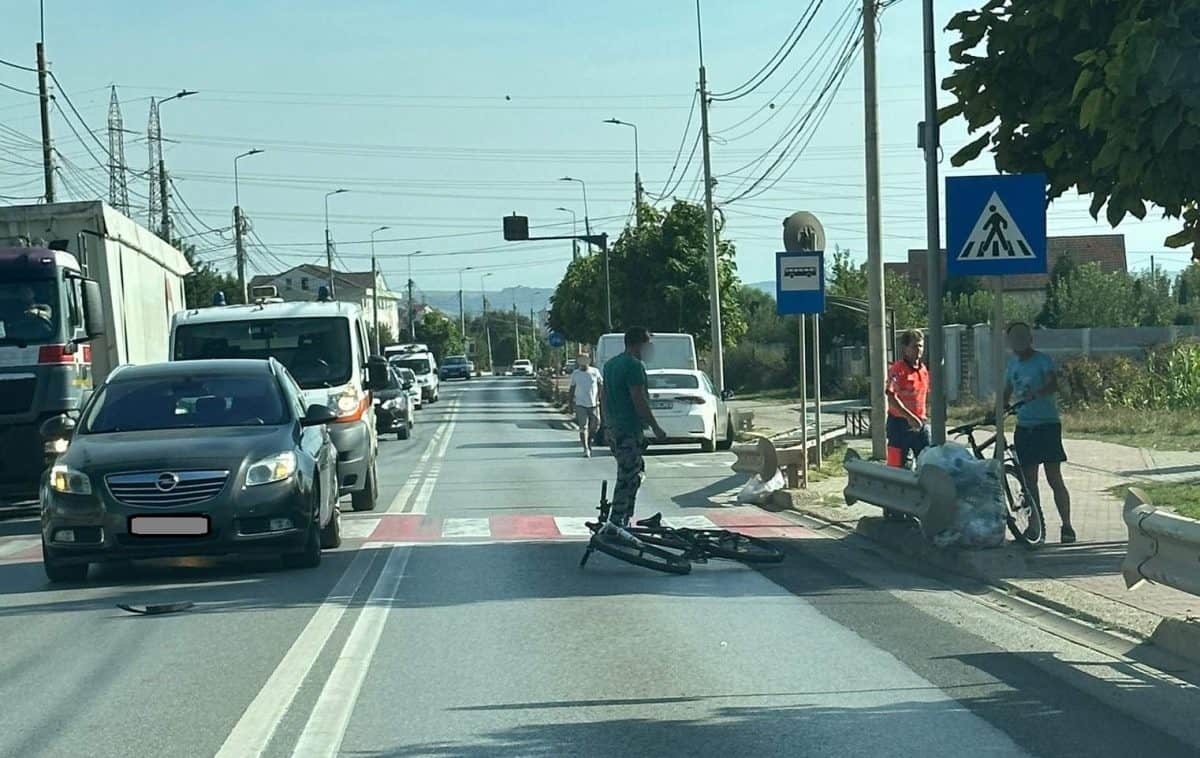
1157	430
1181	497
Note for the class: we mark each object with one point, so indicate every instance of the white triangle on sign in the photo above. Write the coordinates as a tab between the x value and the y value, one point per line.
995	235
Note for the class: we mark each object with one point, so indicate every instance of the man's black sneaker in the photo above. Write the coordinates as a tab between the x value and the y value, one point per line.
1067	536
653	522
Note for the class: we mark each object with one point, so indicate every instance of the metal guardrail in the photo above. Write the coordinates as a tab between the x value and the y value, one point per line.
930	496
1164	548
766	456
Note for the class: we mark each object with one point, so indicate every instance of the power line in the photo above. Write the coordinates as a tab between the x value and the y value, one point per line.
754	82
679	153
17	65
18	89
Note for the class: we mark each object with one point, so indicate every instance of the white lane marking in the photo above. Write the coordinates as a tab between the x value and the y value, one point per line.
359	528
421	505
690	522
253	731
572	526
16	546
326	727
406	492
466	527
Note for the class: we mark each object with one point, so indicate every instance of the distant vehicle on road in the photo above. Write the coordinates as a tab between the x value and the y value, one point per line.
457	367
391	351
394	411
522	368
411	385
324	346
196	458
667	350
426	368
687	406
83	289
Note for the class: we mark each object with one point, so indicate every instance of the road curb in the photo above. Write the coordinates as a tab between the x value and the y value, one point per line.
1180	637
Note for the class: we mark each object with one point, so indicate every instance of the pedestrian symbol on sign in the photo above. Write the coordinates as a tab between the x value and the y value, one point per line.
995	235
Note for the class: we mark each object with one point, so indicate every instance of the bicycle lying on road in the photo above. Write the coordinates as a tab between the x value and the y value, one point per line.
653	545
1024	517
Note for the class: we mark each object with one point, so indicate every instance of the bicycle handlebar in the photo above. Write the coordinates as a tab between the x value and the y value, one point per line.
989	420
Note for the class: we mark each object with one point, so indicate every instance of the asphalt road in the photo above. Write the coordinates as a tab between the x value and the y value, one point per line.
455	621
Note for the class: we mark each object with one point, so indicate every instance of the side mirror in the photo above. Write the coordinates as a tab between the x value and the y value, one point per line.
93	309
318	415
727	394
377	373
57	428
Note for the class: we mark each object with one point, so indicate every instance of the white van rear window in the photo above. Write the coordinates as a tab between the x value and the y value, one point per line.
315	350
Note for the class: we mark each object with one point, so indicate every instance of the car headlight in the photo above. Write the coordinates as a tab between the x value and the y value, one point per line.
274	468
69	481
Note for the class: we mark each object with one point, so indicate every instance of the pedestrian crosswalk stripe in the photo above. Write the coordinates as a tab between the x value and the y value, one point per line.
690	522
995	235
14	548
466	527
572	526
358	528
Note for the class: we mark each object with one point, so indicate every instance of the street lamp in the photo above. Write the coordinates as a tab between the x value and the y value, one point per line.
574	231
375	287
329	239
637	175
486	331
412	324
587	224
239	226
462	314
162	170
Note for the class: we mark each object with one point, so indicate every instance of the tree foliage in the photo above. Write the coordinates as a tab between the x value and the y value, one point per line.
440	333
659	276
1101	96
206	280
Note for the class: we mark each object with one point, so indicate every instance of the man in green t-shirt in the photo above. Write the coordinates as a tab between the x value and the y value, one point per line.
626	414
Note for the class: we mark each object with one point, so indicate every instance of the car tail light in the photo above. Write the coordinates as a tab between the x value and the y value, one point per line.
691	399
54	354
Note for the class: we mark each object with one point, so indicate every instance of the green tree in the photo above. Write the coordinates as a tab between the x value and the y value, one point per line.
659	276
1089	297
1154	303
907	300
1187	294
1099	96
206	280
440	333
385	335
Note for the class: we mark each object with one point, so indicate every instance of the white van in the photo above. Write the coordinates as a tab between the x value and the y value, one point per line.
324	347
425	366
668	350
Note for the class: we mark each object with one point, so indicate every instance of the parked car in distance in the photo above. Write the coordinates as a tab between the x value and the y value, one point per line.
688	408
457	367
522	368
408	380
393	407
204	457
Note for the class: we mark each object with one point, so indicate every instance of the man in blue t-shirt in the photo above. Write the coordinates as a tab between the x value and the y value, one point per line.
1030	379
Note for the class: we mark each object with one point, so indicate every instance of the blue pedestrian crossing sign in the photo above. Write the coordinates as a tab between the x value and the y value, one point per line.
556	340
996	225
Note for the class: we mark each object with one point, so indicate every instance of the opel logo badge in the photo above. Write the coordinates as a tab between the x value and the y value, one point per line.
166	481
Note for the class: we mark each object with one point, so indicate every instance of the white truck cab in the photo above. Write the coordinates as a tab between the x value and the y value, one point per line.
324	346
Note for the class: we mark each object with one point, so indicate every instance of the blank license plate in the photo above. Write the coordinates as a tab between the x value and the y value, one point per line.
168	526
662	404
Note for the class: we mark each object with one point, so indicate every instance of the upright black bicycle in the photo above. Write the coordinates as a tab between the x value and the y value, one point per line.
653	545
1024	516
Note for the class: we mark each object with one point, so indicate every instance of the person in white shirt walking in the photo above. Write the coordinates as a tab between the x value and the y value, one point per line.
586	382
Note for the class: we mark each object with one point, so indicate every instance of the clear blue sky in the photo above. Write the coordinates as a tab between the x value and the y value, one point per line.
406	104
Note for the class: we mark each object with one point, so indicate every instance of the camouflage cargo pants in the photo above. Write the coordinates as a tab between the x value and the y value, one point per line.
628	449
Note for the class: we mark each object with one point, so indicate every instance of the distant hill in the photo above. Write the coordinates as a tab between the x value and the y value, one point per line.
767	287
537	298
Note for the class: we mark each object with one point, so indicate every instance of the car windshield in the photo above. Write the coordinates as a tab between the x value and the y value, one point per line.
416	365
186	402
315	350
672	382
406	375
29	312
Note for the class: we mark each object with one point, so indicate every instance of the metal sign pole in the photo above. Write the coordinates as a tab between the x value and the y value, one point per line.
816	327
800	321
998	361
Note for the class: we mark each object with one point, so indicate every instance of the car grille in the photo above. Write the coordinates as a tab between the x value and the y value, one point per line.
147	488
17	395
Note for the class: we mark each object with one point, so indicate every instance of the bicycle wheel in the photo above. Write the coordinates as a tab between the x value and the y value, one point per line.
734	546
641	554
1024	517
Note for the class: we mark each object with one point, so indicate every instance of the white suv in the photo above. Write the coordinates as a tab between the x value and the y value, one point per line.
425	367
522	368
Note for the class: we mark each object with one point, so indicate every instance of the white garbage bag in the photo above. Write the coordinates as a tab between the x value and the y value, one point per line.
979	519
758	492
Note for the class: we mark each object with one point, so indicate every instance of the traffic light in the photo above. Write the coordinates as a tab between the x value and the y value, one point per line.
516	228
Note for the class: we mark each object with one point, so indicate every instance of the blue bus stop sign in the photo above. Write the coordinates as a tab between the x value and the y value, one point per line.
996	225
800	282
556	340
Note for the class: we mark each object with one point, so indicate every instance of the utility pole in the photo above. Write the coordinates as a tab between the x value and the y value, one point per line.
240	249
876	331
933	266
517	331
412	324
329	241
162	192
462	311
44	98
375	289
118	186
714	278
